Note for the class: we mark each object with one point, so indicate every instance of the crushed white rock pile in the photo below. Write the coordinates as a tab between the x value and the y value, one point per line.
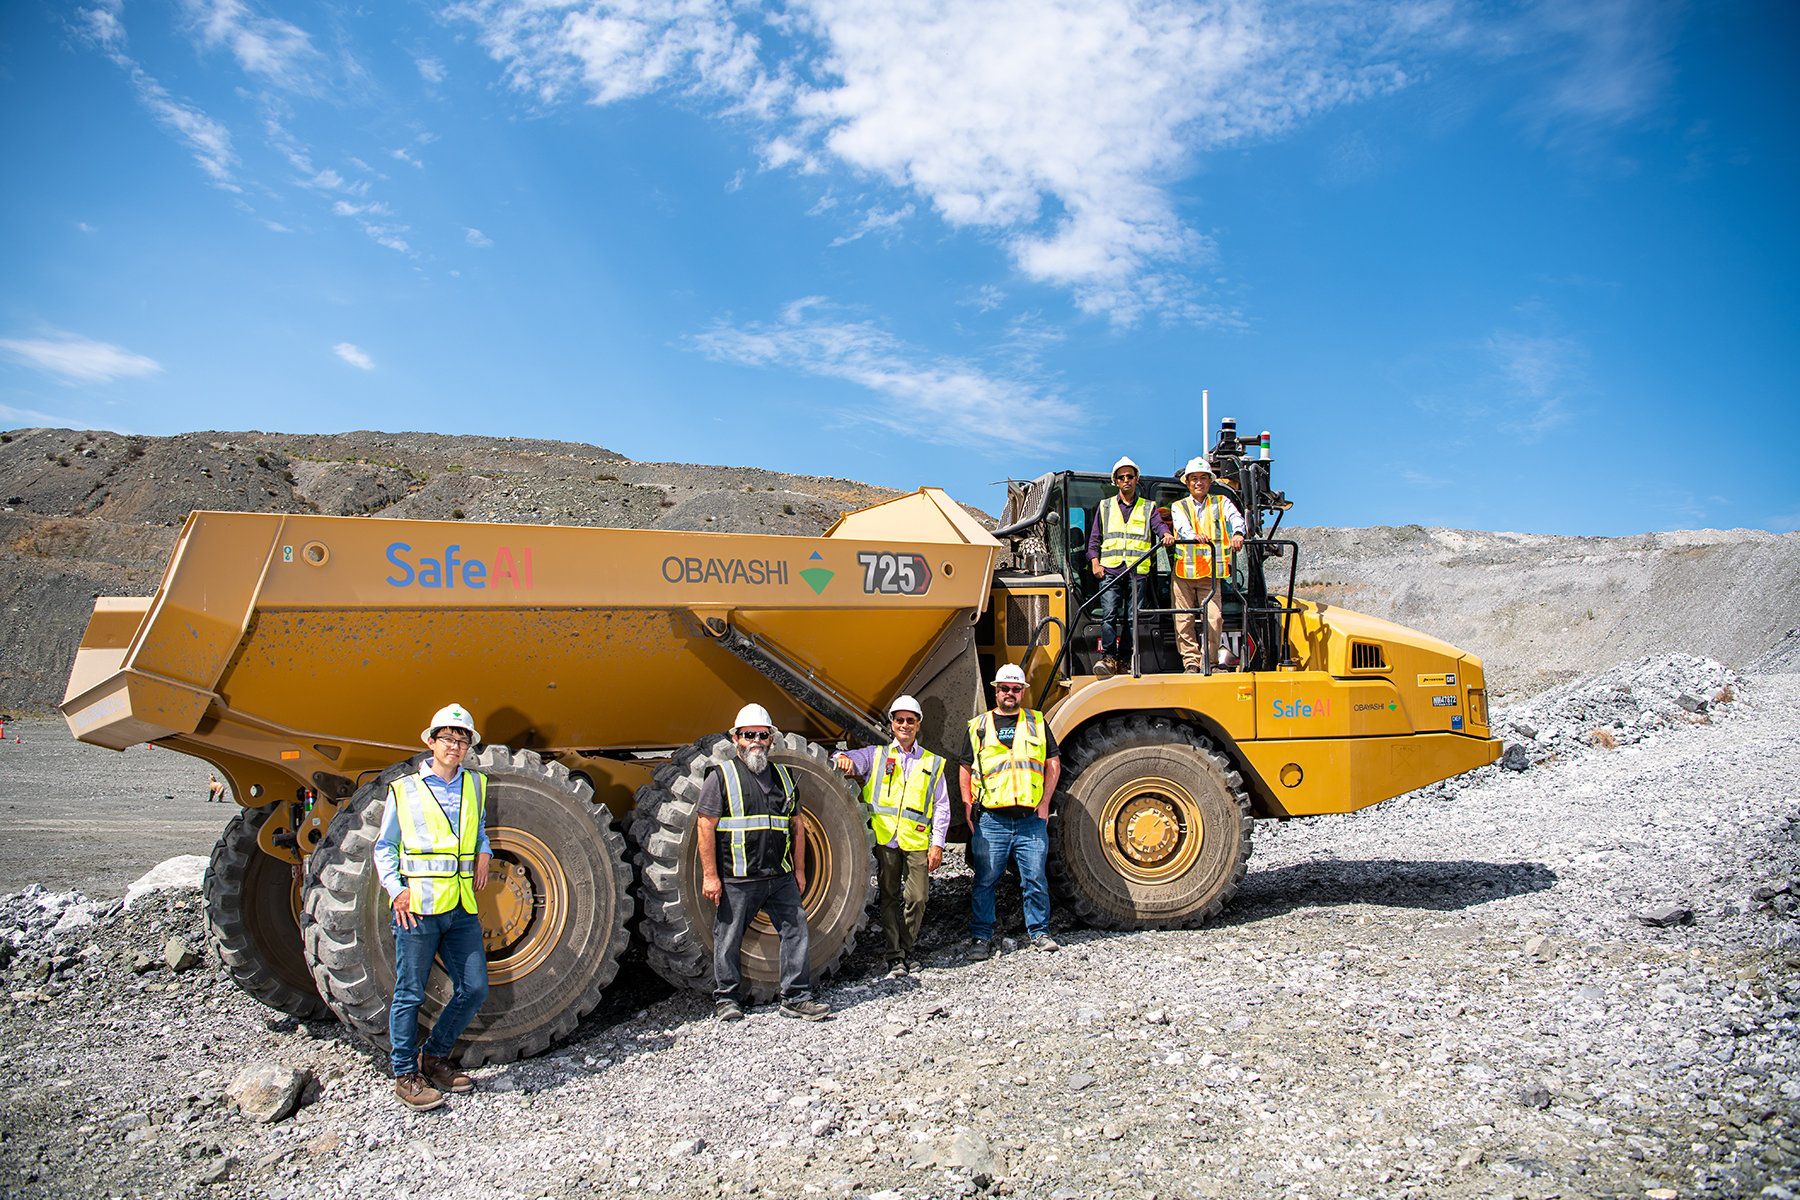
1472	991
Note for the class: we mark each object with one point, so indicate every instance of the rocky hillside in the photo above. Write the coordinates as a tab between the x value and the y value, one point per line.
88	514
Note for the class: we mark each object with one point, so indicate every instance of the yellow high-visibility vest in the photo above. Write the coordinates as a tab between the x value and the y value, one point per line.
902	801
1123	538
437	862
1196	562
1009	776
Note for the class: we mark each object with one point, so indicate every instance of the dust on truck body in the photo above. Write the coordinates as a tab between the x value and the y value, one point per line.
297	654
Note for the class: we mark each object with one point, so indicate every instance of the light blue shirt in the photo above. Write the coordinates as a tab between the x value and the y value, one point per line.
387	842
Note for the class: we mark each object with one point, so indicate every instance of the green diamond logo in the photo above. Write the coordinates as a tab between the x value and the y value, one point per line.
1392	706
816	579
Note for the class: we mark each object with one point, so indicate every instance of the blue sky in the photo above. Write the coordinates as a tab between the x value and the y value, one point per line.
1525	267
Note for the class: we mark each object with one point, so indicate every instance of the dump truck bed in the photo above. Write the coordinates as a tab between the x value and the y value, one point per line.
316	642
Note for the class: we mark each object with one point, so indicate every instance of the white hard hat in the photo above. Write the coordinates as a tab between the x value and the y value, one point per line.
1125	462
451	716
753	714
1198	463
906	704
1010	673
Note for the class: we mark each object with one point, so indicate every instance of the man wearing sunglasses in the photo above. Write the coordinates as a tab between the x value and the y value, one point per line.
1122	529
1007	782
750	862
905	795
431	857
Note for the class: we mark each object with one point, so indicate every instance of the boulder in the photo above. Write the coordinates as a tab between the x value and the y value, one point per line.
183	871
268	1091
179	955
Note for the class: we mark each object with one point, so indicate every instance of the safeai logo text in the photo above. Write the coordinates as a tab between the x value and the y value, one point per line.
449	569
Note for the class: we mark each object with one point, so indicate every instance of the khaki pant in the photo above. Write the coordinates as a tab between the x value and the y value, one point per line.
902	875
1189	593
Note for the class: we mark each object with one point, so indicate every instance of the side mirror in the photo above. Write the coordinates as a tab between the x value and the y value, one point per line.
1053	518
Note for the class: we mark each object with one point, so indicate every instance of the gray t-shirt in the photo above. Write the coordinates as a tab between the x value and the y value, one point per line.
712	792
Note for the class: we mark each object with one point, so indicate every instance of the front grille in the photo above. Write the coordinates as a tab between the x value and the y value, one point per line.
1022	616
1366	656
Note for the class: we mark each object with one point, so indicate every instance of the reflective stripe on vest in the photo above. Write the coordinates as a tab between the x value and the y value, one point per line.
1124	538
437	862
907	809
1193	562
737	826
1009	776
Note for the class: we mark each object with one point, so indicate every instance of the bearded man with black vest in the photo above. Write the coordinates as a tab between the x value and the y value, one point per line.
750	862
432	856
1007	780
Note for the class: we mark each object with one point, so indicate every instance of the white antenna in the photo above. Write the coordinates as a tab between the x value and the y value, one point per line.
1205	422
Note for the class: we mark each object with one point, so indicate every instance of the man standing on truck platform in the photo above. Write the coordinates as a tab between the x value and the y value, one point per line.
746	814
1123	529
905	795
1216	523
1007	782
432	857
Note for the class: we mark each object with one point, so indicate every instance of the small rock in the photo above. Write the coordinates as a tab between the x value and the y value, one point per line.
1079	1081
1535	1097
1157	1016
1111	1132
969	1152
1661	1194
1515	757
218	1171
179	955
1663	915
1693	704
268	1092
823	1126
686	1147
1528	732
1767	892
896	1031
142	962
1541	948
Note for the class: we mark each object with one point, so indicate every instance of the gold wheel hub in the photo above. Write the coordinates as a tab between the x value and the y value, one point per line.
1152	830
524	907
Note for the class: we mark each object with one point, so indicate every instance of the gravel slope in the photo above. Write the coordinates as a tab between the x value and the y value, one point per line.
1448	995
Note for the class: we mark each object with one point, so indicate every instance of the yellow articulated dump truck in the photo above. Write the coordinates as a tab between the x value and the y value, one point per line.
297	654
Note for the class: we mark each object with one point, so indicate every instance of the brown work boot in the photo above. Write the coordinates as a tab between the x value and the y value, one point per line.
444	1074
1106	668
416	1094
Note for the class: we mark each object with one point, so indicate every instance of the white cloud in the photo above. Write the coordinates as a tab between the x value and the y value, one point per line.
274	226
30	417
877	221
1540	373
403	155
84	227
431	70
478	239
207	140
1054	126
929	397
1608	61
76	359
264	46
353	354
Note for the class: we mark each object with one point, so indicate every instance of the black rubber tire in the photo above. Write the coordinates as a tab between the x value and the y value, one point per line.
347	926
677	921
250	918
1104	760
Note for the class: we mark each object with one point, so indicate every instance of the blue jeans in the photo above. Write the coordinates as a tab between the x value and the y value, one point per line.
454	938
997	840
1115	617
739	902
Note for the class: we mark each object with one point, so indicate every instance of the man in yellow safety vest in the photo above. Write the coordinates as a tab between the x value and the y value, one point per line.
432	857
1123	529
1007	780
1214	521
909	814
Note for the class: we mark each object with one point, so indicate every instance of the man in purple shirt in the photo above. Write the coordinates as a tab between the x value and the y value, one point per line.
906	798
1122	530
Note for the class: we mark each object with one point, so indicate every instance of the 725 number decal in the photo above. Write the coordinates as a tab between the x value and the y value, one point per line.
895	574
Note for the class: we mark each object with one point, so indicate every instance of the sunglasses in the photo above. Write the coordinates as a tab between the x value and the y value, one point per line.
755	735
1009	687
905	720
1124	477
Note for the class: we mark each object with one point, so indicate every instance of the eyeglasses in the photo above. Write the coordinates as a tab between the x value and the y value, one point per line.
452	740
1125	477
755	735
904	720
1009	687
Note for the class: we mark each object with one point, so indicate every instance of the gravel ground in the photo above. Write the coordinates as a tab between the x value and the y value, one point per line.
75	815
1453	994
